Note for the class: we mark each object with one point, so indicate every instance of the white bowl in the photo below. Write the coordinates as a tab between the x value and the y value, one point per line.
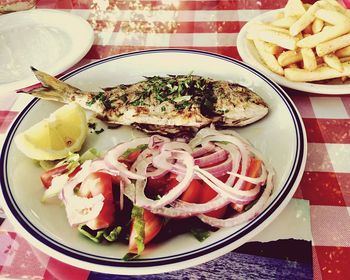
249	54
49	40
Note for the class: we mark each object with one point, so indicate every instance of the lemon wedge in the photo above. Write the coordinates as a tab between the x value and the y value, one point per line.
55	137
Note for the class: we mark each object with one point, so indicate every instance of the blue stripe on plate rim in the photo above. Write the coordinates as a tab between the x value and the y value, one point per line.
108	261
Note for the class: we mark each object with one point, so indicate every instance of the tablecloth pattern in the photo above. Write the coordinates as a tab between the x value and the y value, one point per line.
123	26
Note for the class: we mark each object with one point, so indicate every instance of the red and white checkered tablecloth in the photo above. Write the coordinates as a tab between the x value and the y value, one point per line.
121	26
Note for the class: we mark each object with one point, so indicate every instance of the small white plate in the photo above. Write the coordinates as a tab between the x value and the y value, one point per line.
280	136
46	39
249	54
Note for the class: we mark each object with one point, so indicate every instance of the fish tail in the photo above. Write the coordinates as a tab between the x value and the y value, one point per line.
52	88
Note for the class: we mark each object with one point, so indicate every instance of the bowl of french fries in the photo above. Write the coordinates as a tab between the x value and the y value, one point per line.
302	46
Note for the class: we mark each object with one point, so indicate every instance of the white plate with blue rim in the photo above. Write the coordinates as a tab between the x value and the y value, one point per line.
47	39
280	136
249	54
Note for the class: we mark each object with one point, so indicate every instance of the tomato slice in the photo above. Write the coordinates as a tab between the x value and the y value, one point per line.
193	192
158	186
208	194
46	178
100	183
253	171
153	225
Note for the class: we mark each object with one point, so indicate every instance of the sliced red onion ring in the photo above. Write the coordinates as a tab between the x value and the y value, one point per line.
162	160
203	133
220	169
258	180
174	193
112	156
157	141
176	146
236	160
237	196
242	148
256	209
144	154
205	149
121	195
181	209
218	156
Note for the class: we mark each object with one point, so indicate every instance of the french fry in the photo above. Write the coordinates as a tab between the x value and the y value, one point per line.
333	61
343	52
332	17
253	31
289	57
306	19
339	7
309	59
285	22
268	58
280	39
317	25
294	8
272	48
264	26
325	35
321	73
325	5
333	45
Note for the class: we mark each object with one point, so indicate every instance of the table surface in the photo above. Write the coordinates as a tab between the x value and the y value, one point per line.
213	26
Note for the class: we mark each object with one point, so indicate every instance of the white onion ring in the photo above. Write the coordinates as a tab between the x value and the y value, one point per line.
174	193
218	155
112	156
205	149
225	191
176	146
247	215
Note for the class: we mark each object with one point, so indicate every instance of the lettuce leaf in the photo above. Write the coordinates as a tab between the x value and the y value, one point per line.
99	235
139	227
113	234
129	151
90	154
94	235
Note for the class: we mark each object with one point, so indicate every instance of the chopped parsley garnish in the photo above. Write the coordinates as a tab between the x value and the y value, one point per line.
102	98
182	91
99	131
93	128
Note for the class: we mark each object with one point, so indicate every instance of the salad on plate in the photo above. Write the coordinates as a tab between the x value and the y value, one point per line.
150	188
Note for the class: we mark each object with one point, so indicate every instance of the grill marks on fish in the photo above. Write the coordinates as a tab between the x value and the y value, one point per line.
175	104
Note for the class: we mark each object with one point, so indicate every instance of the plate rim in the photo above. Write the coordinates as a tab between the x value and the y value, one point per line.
249	58
166	263
85	44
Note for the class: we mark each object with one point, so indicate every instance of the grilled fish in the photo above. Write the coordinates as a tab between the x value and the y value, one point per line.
171	105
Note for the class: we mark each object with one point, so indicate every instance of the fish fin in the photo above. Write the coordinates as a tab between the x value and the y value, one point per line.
52	89
50	81
46	93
